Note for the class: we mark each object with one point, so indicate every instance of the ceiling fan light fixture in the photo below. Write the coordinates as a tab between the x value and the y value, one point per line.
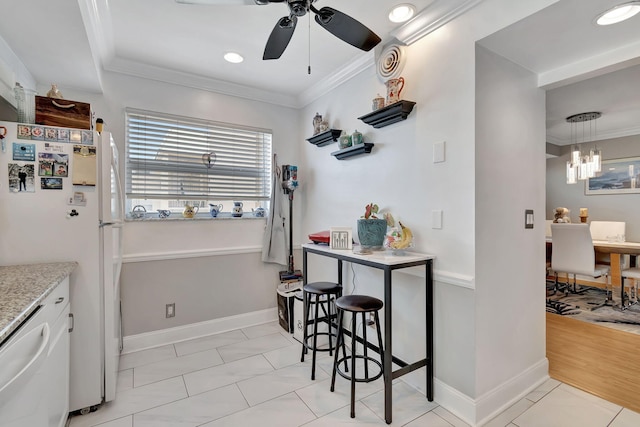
233	57
402	13
618	13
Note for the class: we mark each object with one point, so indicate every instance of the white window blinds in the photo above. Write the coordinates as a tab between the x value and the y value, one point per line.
173	157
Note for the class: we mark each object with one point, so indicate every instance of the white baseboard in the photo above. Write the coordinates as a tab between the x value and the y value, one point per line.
195	330
506	394
488	405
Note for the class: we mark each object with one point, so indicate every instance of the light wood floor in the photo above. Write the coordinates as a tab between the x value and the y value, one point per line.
594	358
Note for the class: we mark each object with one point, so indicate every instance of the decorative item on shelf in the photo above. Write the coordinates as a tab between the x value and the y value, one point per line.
326	137
394	87
214	210
25	100
54	92
259	212
388	115
354	150
237	209
138	212
371	229
377	103
190	211
164	213
345	141
319	125
356	138
584	214
99	125
582	167
561	215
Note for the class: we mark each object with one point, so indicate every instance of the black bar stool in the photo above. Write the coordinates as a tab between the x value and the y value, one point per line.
325	294
355	304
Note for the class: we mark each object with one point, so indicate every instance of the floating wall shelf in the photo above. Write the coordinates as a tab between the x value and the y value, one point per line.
325	138
354	150
390	114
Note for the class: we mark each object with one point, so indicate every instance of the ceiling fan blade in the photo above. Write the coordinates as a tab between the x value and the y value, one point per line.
346	28
280	37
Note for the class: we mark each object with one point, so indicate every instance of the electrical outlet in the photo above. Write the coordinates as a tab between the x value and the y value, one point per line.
170	310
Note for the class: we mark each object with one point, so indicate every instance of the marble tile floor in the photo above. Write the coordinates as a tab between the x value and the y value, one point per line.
253	377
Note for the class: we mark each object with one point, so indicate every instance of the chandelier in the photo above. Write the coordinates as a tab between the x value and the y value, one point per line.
581	165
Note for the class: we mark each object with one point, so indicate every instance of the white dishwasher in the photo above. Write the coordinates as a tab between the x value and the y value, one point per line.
23	377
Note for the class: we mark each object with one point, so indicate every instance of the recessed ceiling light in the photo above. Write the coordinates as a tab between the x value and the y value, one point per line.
402	12
618	13
233	57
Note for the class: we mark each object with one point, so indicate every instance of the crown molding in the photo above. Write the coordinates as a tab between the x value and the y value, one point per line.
166	75
349	71
433	17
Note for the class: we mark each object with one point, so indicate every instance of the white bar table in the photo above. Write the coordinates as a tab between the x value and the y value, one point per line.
387	263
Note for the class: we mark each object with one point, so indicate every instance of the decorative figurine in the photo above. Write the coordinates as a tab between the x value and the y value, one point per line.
317	121
54	92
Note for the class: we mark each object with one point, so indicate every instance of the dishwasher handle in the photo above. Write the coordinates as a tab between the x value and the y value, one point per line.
12	354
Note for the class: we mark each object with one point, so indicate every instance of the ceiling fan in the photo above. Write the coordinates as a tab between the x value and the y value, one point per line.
337	23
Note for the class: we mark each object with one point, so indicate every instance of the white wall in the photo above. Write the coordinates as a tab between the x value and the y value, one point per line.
12	70
401	177
610	207
510	170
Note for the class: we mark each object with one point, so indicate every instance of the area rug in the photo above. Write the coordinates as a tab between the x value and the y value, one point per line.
588	306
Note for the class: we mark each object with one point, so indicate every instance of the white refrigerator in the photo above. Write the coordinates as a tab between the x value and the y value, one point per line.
44	217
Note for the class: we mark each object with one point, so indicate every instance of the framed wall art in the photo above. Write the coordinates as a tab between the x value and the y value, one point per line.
341	238
618	176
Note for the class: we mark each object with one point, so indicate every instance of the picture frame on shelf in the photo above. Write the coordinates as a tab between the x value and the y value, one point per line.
341	238
618	176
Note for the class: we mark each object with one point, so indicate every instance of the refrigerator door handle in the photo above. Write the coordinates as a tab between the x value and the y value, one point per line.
114	224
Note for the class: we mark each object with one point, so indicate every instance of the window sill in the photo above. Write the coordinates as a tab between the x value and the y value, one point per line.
178	217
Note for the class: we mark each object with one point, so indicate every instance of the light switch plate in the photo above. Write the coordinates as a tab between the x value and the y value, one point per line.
528	218
436	219
439	152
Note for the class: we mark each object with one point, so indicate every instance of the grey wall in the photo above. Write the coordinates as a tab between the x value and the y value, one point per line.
203	288
611	207
510	153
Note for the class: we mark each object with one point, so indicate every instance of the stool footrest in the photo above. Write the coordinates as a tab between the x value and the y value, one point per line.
309	345
357	379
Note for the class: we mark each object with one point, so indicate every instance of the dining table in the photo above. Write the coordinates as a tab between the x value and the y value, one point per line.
615	249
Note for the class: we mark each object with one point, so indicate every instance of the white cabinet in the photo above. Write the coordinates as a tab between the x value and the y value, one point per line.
57	363
40	398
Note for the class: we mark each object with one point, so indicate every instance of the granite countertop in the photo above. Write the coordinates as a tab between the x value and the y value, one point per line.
24	287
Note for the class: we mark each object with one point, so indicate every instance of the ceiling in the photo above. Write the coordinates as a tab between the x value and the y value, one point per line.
73	43
583	66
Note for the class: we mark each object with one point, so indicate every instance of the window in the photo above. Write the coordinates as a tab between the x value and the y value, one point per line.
173	160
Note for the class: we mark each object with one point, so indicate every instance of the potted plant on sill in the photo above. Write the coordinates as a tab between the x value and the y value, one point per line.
371	229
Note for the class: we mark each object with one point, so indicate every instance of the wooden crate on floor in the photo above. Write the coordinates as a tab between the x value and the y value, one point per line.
599	360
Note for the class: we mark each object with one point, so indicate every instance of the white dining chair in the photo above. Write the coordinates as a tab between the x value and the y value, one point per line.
573	253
